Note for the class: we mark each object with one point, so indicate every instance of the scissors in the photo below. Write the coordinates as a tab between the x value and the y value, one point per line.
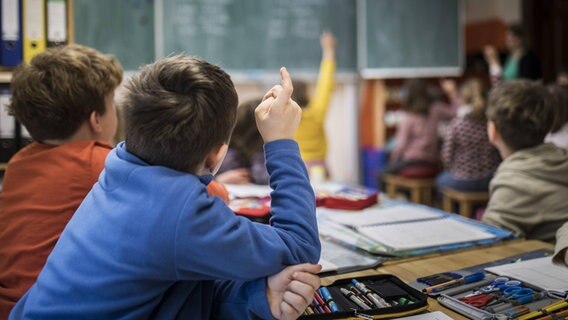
478	301
521	294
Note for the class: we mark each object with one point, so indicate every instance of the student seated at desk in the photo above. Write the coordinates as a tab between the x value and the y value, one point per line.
64	97
528	191
149	242
416	140
244	162
469	159
561	252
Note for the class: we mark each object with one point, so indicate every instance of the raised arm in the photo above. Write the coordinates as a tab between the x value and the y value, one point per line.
326	78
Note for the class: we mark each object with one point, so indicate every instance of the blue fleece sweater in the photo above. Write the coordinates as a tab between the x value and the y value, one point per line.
148	242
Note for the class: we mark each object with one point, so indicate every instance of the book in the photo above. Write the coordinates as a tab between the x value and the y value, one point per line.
336	259
405	229
541	273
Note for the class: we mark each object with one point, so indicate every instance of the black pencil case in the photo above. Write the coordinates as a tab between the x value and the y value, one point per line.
387	286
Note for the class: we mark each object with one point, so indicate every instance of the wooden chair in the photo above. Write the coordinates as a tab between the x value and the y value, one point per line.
420	188
465	200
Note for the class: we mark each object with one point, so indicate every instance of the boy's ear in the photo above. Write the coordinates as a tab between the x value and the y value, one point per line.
215	157
95	123
492	132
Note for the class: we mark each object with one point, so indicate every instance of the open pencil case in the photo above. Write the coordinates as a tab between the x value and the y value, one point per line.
397	299
483	295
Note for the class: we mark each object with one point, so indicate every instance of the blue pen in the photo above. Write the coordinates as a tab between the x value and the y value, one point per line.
328	299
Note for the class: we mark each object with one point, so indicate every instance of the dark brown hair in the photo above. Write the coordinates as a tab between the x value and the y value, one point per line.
300	94
417	98
560	94
246	140
57	91
177	110
522	111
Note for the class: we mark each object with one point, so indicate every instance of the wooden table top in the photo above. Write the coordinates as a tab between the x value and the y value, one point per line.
411	268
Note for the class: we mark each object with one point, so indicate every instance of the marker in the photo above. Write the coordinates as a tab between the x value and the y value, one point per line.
321	303
327	298
354	298
474	277
377	300
359	294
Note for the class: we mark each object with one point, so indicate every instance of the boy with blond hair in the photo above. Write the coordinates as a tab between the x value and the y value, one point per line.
528	191
148	242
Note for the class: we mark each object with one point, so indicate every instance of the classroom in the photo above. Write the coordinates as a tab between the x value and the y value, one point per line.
299	159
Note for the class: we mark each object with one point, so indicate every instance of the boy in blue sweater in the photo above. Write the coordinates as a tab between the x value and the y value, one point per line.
148	242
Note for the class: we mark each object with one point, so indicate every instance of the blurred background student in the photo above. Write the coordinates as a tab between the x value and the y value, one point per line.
311	133
559	133
244	162
416	152
521	63
469	159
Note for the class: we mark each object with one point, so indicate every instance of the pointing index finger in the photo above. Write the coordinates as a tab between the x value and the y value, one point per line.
287	87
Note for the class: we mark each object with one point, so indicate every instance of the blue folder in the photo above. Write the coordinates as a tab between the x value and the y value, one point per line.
11	35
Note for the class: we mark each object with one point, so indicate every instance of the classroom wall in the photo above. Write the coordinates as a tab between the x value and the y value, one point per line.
479	10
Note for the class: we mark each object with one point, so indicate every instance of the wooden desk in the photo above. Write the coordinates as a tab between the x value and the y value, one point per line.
412	268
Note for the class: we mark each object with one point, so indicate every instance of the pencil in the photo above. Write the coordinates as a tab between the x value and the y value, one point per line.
550	308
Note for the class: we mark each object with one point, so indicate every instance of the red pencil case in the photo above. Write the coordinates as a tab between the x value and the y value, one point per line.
350	198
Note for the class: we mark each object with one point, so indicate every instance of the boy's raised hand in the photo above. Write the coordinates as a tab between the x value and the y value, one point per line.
278	116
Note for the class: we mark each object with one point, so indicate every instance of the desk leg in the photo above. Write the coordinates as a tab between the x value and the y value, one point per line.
447	204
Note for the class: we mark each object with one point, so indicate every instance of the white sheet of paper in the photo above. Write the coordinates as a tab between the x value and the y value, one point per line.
424	234
376	215
539	272
248	190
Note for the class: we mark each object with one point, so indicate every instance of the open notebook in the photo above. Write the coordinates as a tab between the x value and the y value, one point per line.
540	272
407	229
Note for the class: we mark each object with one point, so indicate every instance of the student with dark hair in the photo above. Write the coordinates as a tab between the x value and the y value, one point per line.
469	159
149	242
528	191
559	132
416	140
521	63
244	162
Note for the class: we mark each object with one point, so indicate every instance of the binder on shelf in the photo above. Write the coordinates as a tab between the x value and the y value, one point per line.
56	23
11	36
34	28
7	128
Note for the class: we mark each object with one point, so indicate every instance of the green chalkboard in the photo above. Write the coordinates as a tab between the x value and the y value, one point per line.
124	28
409	37
244	35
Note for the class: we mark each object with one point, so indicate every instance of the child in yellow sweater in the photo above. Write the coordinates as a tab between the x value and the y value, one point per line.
311	134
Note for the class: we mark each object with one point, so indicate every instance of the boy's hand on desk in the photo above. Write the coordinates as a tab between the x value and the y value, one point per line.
290	291
278	116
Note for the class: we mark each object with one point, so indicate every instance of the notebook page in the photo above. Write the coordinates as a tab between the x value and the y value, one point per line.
248	190
374	215
539	272
424	234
